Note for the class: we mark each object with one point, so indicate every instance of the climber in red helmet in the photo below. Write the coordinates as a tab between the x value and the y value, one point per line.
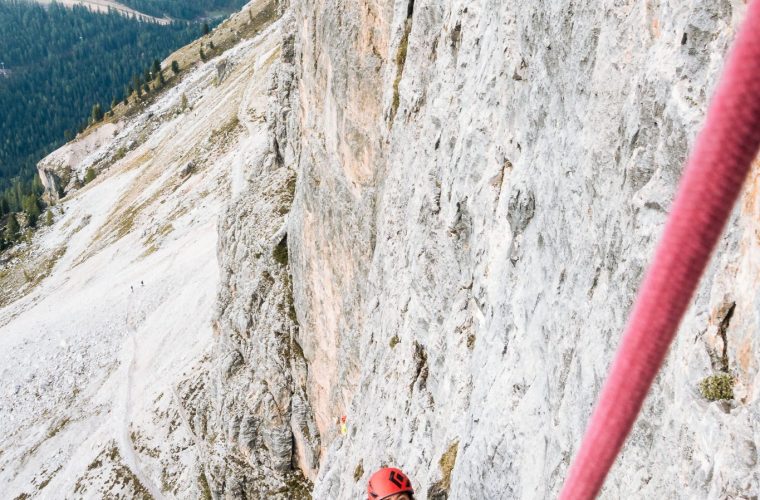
389	483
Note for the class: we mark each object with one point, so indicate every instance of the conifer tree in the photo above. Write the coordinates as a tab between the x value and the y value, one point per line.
11	228
175	67
206	29
32	209
49	218
18	192
97	113
37	187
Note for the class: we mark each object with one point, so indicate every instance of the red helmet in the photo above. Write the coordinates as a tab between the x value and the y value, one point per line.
386	482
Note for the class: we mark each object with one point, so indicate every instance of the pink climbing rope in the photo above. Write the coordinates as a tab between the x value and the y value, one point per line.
712	180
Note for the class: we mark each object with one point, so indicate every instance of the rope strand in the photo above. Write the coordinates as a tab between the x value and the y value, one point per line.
712	180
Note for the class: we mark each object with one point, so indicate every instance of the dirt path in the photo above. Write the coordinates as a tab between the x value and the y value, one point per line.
123	408
104	5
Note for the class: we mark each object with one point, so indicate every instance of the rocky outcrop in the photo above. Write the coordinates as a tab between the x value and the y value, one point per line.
254	412
64	169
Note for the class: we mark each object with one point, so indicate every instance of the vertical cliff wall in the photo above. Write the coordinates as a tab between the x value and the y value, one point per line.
249	401
479	189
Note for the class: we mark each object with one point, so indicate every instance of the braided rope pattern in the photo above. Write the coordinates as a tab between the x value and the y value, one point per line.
712	180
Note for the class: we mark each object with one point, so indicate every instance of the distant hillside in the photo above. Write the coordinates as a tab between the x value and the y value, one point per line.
57	63
104	6
160	10
185	10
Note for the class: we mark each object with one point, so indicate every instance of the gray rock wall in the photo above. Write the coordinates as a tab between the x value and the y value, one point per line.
480	188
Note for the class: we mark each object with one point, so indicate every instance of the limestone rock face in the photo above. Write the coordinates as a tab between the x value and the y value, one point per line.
255	402
332	226
480	188
64	169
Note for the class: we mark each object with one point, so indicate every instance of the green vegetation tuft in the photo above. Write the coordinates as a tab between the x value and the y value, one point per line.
716	387
205	489
471	341
394	341
447	462
280	252
440	490
400	62
89	175
359	471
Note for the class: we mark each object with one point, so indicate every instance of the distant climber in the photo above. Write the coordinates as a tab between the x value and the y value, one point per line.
131	288
343	426
141	283
389	483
